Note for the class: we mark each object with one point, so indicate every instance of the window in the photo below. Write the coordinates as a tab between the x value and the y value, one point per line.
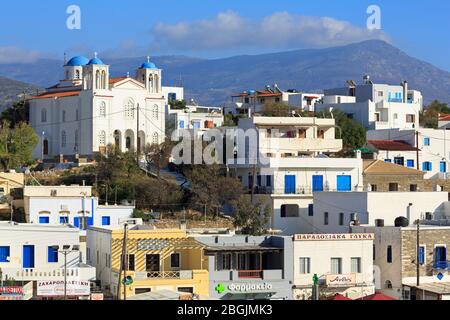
44	115
388	160
374	187
226	262
410	163
302	133
336	265
106	221
4	254
305	265
290	184
374	253
155	112
102	138
413	187
268	181
142	290
377	117
152	262
102	109
289	211
64	116
380	93
426	141
77	74
175	261
77	115
341	219
44	220
395	116
422	255
443	167
63	139
155	138
185	289
131	261
320	134
393	187
389	254
52	256
410	118
76	140
129	109
400	161
311	210
427	166
325	218
355	265
63	220
181	124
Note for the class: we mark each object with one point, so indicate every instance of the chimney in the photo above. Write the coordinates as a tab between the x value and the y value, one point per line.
405	91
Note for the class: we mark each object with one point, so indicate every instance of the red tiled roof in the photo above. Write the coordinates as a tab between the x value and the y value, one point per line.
377	296
115	80
444	117
263	93
50	95
391	145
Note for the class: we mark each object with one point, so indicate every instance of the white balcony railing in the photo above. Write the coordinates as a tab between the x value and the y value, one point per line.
35	274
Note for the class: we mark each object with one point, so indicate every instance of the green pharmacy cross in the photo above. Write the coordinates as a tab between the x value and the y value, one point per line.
315	279
128	281
220	288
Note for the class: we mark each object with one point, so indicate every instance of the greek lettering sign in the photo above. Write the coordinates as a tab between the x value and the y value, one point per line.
56	288
250	287
340	280
334	237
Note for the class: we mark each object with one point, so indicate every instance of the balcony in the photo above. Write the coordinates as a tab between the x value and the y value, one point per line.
165	275
291	145
250	274
83	272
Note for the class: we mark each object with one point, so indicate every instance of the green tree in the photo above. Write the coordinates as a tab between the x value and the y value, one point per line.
16	145
429	117
177	104
158	155
19	112
251	218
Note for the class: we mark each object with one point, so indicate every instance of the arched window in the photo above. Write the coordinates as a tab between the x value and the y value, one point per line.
63	139
150	83
155	112
103	79
97	80
129	109
77	74
102	109
67	74
155	139
77	115
44	115
76	141
102	138
64	116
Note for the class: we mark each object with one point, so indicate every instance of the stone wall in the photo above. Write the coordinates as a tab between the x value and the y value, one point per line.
428	238
404	182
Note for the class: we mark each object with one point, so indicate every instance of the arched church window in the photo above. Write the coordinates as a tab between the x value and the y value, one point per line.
44	115
103	79
63	139
155	139
102	109
67	74
155	112
77	74
102	138
76	140
97	79
129	109
64	116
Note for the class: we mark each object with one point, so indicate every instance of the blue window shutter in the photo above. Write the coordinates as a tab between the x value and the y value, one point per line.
311	210
317	183
90	221
52	255
268	181
4	254
426	141
76	222
344	183
421	255
181	124
259	179
44	220
443	167
388	160
410	163
106	221
289	184
28	257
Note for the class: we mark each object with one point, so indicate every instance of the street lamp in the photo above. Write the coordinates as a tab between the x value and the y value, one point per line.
66	249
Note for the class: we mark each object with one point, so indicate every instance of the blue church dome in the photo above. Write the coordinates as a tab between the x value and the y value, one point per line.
78	61
96	61
148	64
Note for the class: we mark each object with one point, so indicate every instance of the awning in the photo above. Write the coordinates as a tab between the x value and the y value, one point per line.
255	295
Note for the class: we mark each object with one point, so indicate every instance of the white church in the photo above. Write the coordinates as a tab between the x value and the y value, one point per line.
89	110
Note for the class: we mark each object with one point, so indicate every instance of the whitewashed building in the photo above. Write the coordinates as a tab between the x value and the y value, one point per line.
31	252
336	212
375	106
88	110
198	118
343	264
75	205
293	165
400	147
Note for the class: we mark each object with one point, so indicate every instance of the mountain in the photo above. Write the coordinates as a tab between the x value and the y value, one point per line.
212	81
12	90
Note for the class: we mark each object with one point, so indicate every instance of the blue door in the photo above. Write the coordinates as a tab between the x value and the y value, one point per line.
440	257
344	183
289	185
28	257
443	167
317	183
196	125
76	222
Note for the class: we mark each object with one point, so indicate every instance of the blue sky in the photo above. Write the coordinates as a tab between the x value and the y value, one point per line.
217	28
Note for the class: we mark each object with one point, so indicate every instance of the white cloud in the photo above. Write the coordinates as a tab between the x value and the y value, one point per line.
13	54
228	30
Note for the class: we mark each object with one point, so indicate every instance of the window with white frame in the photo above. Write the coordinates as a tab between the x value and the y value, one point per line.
305	266
63	139
102	109
44	115
336	265
356	265
129	109
64	116
155	138
155	112
102	138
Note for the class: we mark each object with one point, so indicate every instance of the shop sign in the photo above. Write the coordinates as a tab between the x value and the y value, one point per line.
250	287
334	237
56	288
340	280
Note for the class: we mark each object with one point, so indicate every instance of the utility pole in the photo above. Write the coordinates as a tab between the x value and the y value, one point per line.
65	274
418	254
138	142
125	258
253	183
417	150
